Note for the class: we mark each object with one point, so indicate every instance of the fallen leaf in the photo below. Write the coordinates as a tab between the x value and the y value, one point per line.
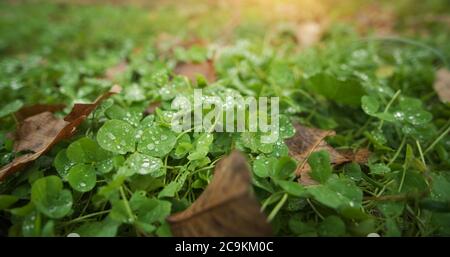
38	133
191	70
373	18
152	107
308	140
32	110
112	72
309	33
442	84
360	156
226	207
83	110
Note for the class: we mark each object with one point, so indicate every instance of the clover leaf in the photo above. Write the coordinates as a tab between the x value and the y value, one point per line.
263	166
157	141
85	150
287	130
117	136
131	117
370	105
182	147
62	163
144	165
320	166
49	197
201	147
82	177
292	188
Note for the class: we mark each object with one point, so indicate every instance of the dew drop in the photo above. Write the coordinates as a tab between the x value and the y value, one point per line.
110	136
150	147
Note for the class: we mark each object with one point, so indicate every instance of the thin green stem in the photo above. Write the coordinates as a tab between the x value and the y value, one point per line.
277	207
384	188
402	144
315	210
184	132
389	106
270	200
127	205
403	179
90	215
439	138
421	153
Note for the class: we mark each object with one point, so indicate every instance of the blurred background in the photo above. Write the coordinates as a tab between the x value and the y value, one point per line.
75	27
59	49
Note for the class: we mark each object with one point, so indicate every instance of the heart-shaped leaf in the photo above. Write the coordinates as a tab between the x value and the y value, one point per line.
49	197
117	136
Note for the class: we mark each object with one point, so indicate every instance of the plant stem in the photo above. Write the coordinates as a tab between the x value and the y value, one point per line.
127	205
81	218
402	144
389	106
314	209
439	138
277	207
270	200
421	153
403	179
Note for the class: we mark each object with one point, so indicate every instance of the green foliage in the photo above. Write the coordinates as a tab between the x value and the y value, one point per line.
125	171
320	166
157	141
49	197
10	108
117	136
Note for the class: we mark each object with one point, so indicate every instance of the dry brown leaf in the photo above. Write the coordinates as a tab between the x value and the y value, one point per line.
309	33
152	107
112	72
375	18
191	70
38	133
442	84
32	110
308	140
360	156
83	110
226	207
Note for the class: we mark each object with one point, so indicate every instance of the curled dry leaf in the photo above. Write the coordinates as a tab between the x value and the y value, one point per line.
442	84
38	133
226	207
83	110
308	140
192	70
